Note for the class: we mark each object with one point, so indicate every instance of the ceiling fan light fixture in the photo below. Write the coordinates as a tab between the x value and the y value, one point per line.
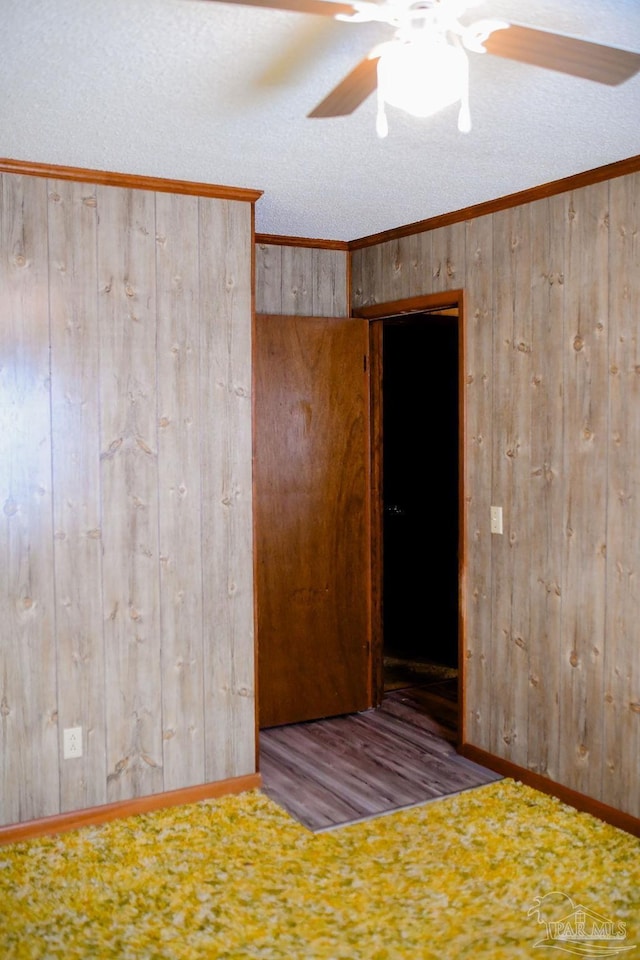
422	76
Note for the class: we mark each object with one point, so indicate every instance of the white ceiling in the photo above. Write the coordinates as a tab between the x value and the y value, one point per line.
180	89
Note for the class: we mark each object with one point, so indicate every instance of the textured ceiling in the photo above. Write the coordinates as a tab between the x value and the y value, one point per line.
207	91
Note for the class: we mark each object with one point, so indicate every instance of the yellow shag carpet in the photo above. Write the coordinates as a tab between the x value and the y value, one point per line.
484	874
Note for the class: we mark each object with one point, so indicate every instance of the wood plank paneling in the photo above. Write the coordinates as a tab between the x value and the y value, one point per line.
129	476
125	479
371	272
621	735
511	420
181	420
29	776
448	257
393	271
418	249
225	378
586	384
329	283
302	280
297	280
555	348
77	504
546	495
360	262
269	278
394	278
591	419
478	386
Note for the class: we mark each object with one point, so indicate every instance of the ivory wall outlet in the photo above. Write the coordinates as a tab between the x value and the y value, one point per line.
71	743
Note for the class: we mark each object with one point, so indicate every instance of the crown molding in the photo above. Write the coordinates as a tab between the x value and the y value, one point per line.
575	182
109	178
272	239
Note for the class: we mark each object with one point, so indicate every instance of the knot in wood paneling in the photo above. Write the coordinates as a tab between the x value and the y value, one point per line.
118	770
10	507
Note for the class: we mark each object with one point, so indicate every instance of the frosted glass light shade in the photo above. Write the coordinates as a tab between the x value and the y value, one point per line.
423	76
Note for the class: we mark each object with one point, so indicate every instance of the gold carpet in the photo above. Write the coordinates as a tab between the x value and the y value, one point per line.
491	873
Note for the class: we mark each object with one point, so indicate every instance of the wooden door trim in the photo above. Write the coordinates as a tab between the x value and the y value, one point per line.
408	305
376	513
387	311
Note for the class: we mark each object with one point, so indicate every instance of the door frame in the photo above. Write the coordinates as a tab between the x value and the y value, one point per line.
387	311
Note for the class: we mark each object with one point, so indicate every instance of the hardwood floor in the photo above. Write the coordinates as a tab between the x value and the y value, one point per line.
334	771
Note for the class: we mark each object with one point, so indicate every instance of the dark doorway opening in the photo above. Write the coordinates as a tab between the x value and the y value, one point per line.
420	489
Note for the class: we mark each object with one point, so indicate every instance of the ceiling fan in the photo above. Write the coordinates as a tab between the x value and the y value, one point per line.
424	66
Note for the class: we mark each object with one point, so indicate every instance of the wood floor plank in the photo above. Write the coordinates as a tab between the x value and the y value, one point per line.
386	774
334	771
296	793
424	722
392	729
432	764
314	761
426	704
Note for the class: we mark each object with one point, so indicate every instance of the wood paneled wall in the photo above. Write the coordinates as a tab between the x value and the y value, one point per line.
552	381
126	601
301	281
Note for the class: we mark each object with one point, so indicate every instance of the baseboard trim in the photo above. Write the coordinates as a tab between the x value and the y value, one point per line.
617	818
94	816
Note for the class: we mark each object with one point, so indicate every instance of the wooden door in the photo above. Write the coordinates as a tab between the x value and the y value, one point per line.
312	533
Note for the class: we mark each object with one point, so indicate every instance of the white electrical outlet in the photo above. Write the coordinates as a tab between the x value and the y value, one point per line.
71	743
496	519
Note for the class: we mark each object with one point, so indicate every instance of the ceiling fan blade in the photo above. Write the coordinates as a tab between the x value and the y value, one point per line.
321	8
581	58
350	92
